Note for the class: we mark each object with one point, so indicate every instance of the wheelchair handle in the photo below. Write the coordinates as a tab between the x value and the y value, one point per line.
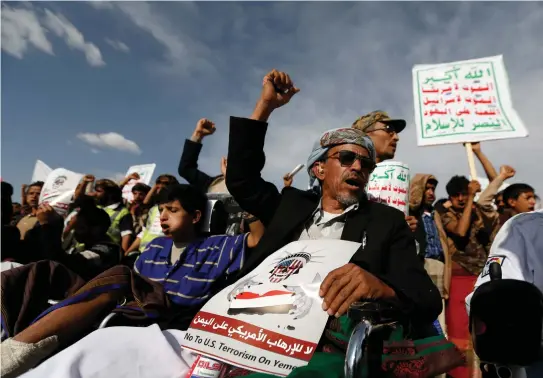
355	349
495	270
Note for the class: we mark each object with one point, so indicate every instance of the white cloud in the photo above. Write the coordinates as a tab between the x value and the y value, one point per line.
182	54
118	45
110	140
95	151
64	29
20	30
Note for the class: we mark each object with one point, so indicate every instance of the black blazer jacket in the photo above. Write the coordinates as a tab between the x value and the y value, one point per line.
188	167
389	253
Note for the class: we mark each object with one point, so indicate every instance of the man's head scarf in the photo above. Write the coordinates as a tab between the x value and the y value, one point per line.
336	137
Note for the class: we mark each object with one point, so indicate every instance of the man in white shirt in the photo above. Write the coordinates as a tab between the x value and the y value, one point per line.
518	248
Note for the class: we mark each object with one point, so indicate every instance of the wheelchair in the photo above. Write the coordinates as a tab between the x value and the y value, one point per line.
374	324
506	325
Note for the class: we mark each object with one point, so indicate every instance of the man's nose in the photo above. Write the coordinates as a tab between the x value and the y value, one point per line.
357	165
395	136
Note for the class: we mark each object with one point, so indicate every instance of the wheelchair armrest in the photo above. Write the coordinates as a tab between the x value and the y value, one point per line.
375	322
376	312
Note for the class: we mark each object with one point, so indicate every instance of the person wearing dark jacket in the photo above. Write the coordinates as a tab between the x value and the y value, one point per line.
386	266
188	165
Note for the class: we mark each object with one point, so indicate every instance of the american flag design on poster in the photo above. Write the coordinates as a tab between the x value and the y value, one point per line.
288	266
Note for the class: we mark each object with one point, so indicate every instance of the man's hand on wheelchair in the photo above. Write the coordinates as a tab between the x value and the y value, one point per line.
348	284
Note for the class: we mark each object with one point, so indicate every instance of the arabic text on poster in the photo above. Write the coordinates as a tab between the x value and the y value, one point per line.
271	320
465	101
389	184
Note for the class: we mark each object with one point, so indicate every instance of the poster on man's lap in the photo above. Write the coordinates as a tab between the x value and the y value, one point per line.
271	320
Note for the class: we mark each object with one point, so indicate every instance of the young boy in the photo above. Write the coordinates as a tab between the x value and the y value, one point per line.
519	198
188	265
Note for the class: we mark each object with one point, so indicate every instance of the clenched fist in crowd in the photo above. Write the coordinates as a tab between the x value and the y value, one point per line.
204	127
474	187
507	172
277	90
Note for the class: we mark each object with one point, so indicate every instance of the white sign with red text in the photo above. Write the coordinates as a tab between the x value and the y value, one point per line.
145	171
59	189
41	171
271	320
389	184
464	101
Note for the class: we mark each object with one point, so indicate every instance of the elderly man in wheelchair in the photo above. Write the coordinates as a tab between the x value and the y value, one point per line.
506	307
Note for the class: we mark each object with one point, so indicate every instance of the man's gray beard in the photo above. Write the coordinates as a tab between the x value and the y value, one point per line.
348	200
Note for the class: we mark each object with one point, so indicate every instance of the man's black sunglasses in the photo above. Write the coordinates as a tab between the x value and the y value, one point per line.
347	158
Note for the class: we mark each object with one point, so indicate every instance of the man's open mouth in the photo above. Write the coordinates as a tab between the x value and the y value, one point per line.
353	183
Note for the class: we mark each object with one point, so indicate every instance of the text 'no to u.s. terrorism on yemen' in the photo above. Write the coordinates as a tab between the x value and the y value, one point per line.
236	352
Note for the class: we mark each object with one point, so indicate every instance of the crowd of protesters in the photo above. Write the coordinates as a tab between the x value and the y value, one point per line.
62	275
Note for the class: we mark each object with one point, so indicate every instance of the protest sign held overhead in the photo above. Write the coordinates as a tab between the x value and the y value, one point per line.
464	101
271	320
145	171
389	184
59	189
41	171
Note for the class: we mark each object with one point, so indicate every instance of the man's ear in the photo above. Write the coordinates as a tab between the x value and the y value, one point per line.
511	202
318	170
197	216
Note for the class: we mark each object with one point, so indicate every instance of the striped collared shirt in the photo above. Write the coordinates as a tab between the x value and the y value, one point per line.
190	279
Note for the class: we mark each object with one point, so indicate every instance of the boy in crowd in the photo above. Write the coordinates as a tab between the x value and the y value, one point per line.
187	264
519	198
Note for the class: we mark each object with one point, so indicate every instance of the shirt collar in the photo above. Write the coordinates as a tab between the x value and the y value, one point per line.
319	212
113	206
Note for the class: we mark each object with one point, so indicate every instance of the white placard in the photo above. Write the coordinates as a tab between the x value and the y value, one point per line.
389	184
271	320
41	171
465	101
59	189
146	174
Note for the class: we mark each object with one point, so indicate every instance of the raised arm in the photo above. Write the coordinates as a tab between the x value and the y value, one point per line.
82	187
490	172
246	150
487	196
461	227
188	165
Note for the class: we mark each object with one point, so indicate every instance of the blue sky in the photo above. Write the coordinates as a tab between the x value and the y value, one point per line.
148	71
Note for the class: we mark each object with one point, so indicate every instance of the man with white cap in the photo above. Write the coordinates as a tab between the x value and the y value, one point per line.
385	267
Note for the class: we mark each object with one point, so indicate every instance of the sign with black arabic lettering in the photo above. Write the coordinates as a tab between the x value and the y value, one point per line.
271	320
389	184
465	101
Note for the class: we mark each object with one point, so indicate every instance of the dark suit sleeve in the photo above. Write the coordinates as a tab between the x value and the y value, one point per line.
417	296
243	174
188	166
